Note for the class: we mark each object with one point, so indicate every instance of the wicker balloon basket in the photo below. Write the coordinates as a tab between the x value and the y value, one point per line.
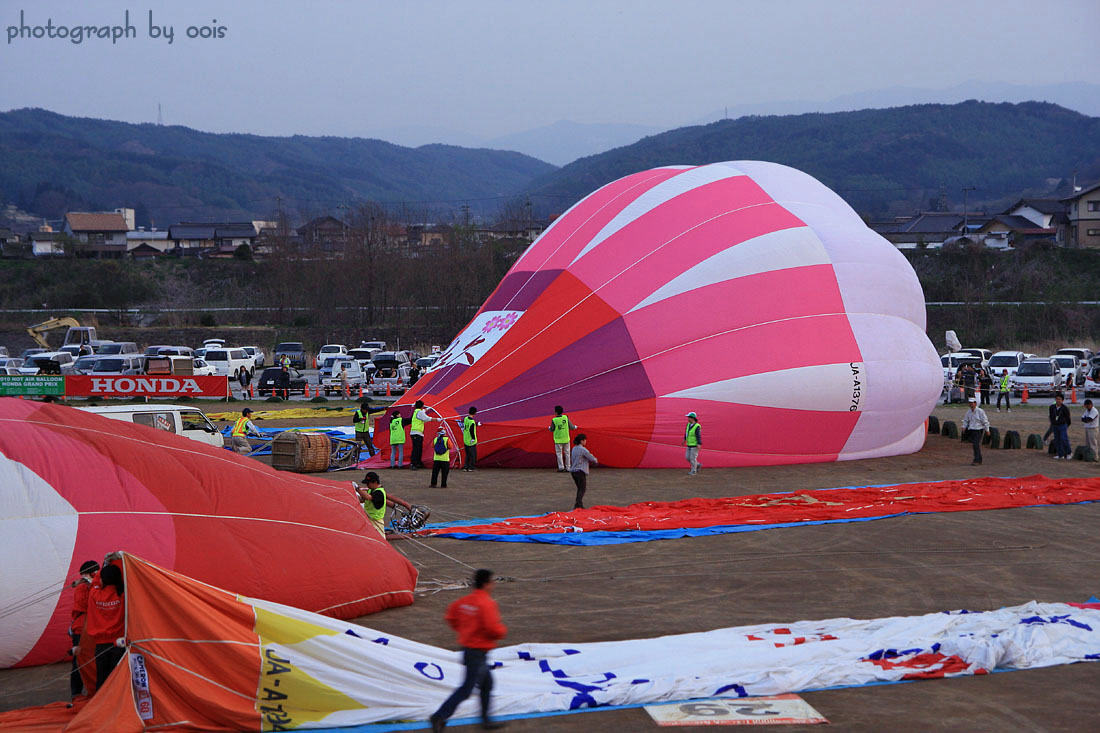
301	452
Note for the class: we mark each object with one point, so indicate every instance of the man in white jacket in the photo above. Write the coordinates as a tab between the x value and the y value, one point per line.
976	425
1091	418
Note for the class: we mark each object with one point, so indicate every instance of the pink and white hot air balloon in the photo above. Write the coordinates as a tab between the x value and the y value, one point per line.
746	292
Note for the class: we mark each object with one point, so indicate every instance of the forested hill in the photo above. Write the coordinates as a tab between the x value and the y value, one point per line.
880	160
50	163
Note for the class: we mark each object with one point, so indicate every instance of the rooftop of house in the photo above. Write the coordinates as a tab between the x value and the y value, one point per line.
81	221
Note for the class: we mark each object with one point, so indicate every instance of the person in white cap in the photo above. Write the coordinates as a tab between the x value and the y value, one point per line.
693	439
975	426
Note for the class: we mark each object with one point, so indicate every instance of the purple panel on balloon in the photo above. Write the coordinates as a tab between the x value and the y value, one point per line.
518	290
600	369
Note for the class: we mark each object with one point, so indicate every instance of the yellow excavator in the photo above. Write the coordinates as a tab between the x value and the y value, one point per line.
76	334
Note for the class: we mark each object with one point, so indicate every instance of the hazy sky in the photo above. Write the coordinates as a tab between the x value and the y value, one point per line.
484	67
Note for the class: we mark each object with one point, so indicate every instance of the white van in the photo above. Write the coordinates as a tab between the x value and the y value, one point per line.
229	362
333	381
190	422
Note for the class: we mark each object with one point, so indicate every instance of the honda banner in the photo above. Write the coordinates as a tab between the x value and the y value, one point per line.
86	385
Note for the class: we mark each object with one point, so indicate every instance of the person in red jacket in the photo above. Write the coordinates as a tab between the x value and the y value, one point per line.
477	620
107	618
83	586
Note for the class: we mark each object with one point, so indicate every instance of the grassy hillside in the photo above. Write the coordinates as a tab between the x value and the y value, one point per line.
879	160
50	163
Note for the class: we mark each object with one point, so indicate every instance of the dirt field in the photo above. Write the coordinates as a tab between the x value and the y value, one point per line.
909	565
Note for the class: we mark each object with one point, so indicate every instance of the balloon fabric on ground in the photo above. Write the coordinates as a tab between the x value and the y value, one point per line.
746	292
75	486
654	520
260	665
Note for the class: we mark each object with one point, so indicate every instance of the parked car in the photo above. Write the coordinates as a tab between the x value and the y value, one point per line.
3	351
201	369
983	354
1083	355
118	347
1005	361
49	362
122	364
334	383
329	364
213	343
28	353
10	361
951	363
190	422
257	355
176	351
1039	376
9	371
426	362
376	345
78	350
270	381
229	362
1073	371
294	350
326	351
1092	382
391	371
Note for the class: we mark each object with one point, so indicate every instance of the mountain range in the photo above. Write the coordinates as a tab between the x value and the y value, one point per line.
50	163
882	161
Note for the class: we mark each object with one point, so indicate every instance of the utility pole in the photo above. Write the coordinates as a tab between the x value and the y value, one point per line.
966	198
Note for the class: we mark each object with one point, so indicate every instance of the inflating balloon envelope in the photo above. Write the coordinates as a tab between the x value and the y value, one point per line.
746	292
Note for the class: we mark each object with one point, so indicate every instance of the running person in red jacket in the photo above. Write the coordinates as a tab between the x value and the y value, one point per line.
477	620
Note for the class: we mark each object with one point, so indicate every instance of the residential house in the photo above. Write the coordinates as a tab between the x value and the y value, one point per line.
191	239
47	243
1012	230
11	244
324	236
526	229
143	244
1082	225
930	228
97	234
228	237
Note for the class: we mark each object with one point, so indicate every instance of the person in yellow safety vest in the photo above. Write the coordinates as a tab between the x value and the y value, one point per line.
441	465
242	428
397	439
693	439
1003	391
375	500
560	427
361	420
469	439
416	432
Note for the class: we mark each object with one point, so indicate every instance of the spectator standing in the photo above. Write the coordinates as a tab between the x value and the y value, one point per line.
374	500
107	618
1059	424
397	440
579	462
985	383
693	440
1003	391
469	439
241	429
416	432
1091	418
83	587
976	425
441	465
560	425
969	380
476	618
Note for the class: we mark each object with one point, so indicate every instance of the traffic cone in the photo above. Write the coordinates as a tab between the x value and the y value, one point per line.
360	390
307	389
387	390
1023	397
252	390
1073	395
